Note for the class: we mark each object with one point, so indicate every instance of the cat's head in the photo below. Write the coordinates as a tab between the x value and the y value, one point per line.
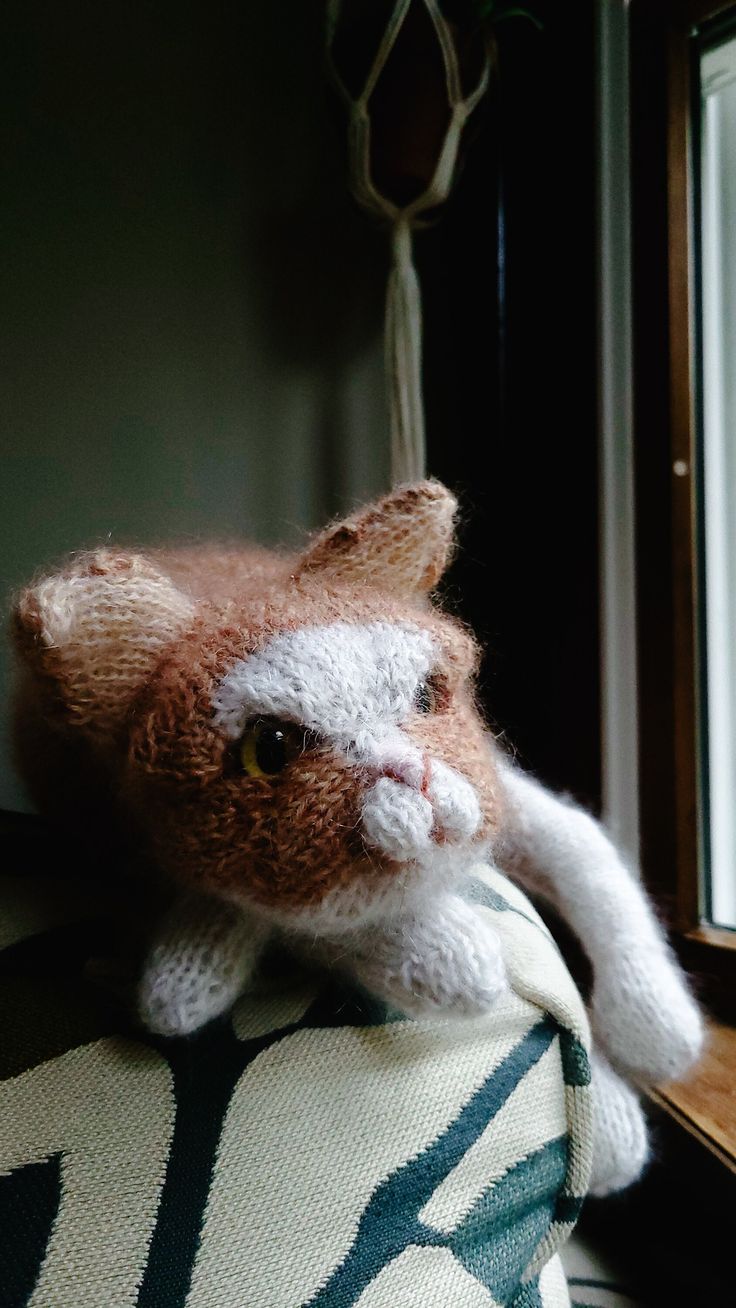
312	747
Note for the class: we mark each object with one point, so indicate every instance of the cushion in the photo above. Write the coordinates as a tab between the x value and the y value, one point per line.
312	1148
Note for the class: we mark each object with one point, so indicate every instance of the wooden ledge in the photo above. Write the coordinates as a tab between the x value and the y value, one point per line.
705	1104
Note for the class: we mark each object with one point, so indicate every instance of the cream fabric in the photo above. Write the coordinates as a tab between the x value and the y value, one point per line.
312	1149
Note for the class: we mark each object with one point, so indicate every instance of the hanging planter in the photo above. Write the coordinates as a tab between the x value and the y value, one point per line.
410	72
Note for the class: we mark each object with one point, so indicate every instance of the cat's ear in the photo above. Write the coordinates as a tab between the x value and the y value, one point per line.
90	635
403	541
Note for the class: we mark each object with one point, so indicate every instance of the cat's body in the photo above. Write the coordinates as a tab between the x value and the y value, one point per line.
296	742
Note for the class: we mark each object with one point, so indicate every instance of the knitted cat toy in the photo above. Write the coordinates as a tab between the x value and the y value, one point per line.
295	741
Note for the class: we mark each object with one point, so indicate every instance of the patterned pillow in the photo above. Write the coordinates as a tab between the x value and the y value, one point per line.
314	1149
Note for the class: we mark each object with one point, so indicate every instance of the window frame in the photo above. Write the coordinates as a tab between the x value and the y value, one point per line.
668	467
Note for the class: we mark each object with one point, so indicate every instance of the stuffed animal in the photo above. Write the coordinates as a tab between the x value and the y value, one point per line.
294	741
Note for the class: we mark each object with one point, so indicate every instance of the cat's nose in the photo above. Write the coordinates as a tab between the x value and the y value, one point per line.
397	758
411	770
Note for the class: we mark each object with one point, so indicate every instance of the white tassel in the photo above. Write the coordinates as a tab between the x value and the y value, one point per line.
403	306
404	361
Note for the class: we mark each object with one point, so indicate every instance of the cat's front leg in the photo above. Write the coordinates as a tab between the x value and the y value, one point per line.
643	1014
198	965
641	1009
444	959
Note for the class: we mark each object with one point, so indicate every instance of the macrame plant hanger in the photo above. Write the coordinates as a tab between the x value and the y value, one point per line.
403	330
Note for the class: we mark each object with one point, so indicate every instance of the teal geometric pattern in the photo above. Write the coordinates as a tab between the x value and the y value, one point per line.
502	1234
497	1239
206	1070
29	1198
480	892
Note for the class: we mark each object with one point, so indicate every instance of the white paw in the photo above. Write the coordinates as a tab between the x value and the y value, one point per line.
173	1002
397	820
645	1017
450	966
456	809
203	957
620	1143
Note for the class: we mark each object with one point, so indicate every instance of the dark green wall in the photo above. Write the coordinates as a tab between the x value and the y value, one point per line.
191	306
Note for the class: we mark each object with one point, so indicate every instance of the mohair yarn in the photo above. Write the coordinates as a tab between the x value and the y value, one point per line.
146	672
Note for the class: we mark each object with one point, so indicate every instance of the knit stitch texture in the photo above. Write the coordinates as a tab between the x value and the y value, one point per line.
353	837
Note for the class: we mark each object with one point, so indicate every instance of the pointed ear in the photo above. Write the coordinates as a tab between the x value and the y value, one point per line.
403	541
92	633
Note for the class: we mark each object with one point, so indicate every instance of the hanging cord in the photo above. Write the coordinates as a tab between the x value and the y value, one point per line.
404	361
403	344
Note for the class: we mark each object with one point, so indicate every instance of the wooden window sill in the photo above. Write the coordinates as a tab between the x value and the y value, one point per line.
705	1104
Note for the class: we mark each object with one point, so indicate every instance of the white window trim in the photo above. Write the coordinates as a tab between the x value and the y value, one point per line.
619	714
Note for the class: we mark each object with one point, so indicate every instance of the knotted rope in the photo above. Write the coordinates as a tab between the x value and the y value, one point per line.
403	330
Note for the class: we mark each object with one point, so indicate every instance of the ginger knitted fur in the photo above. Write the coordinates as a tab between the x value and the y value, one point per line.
295	742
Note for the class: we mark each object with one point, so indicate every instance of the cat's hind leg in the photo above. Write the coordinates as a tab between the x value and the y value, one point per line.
620	1138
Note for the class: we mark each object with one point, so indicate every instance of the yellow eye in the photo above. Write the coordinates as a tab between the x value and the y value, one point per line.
432	695
267	746
423	698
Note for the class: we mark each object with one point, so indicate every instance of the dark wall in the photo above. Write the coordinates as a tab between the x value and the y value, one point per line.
191	305
652	421
511	364
193	313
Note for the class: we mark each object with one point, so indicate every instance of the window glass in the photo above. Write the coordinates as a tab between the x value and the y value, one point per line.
717	312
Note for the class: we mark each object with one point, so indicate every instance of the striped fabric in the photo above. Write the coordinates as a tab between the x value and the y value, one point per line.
314	1150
